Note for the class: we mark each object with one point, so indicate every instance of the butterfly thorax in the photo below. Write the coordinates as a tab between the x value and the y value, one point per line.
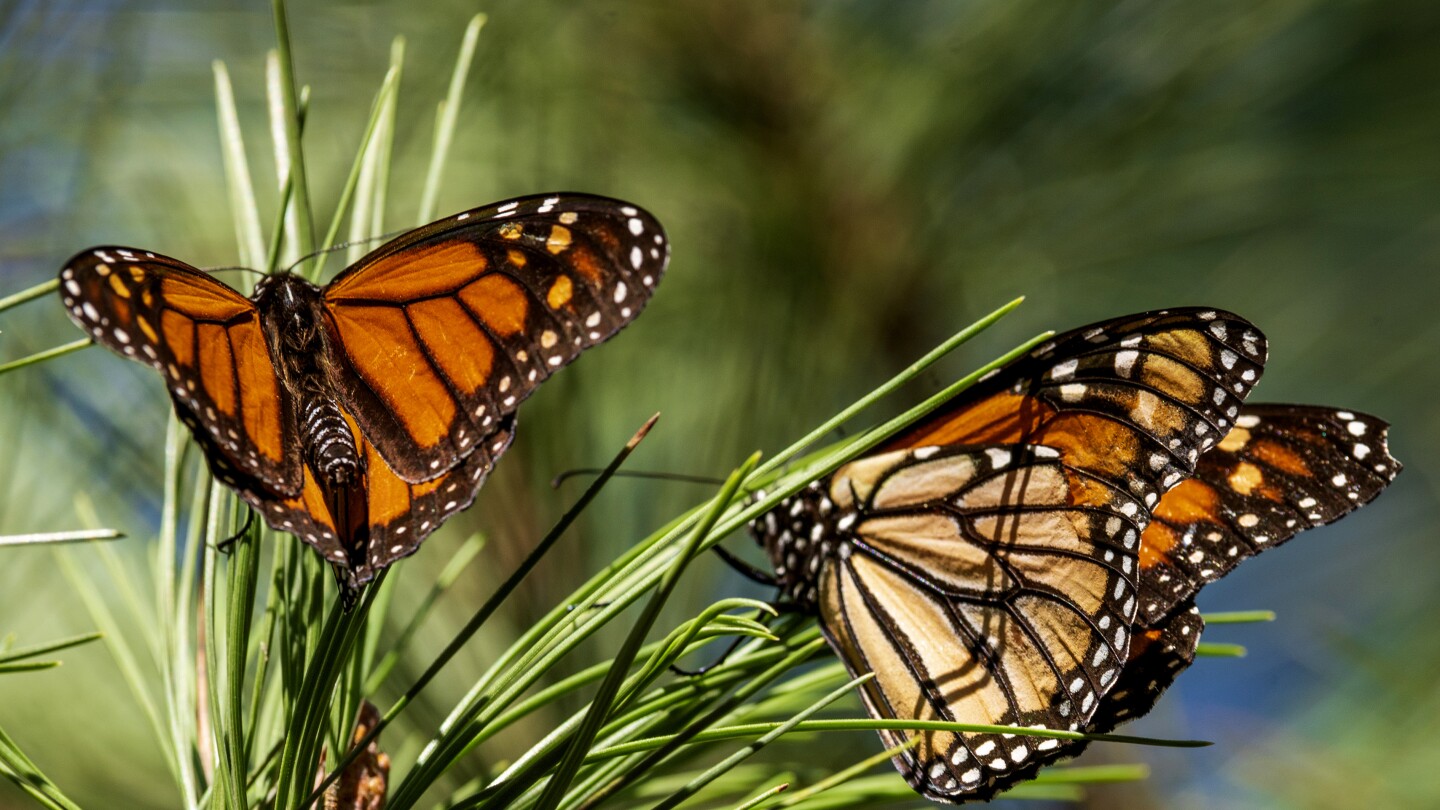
800	535
295	327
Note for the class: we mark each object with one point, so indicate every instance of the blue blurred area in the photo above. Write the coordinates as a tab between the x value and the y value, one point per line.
845	184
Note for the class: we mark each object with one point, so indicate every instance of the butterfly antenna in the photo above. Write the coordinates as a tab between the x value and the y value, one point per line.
235	267
662	476
745	569
343	245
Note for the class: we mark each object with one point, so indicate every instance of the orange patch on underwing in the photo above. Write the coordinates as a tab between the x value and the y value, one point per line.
147	329
389	495
584	262
259	391
1087	491
421	490
1191	501
1280	457
500	302
1178	380
1245	478
1092	443
560	292
1189	345
410	274
311	501
119	287
516	257
383	350
511	230
1235	440
1155	545
137	273
1003	418
217	367
559	239
462	349
147	297
1142	641
178	336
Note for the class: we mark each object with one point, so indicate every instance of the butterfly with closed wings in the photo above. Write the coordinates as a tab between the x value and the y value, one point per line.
1027	555
360	415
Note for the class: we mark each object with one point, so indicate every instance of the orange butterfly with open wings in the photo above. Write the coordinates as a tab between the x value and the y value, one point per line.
360	415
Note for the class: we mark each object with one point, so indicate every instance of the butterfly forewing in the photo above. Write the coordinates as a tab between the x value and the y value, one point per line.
474	311
1134	401
985	585
207	341
1280	470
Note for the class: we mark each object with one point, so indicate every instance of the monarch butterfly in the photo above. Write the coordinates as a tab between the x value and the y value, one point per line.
1027	555
359	416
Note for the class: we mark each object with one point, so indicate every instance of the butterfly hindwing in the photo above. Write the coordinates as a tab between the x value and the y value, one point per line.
206	340
400	514
476	310
982	585
1280	470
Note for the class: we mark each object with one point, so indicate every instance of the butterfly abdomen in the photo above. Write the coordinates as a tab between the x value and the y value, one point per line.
293	312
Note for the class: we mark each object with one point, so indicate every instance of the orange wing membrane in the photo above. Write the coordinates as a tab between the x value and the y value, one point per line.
1134	400
208	342
476	310
362	415
997	562
1280	470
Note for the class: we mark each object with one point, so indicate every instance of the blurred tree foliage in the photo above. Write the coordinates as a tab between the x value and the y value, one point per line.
845	183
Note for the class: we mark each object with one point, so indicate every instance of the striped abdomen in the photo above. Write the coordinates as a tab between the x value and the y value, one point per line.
326	436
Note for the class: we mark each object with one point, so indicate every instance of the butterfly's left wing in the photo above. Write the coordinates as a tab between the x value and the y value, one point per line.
1282	469
981	585
207	341
446	329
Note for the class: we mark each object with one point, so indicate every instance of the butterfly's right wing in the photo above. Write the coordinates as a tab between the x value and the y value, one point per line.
1281	470
206	340
446	329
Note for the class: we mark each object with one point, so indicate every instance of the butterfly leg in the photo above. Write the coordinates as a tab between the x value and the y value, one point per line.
224	545
745	569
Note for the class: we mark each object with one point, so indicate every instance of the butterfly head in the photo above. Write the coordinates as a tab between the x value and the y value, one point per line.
292	310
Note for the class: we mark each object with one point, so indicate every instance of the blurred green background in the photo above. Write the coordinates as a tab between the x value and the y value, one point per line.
845	184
